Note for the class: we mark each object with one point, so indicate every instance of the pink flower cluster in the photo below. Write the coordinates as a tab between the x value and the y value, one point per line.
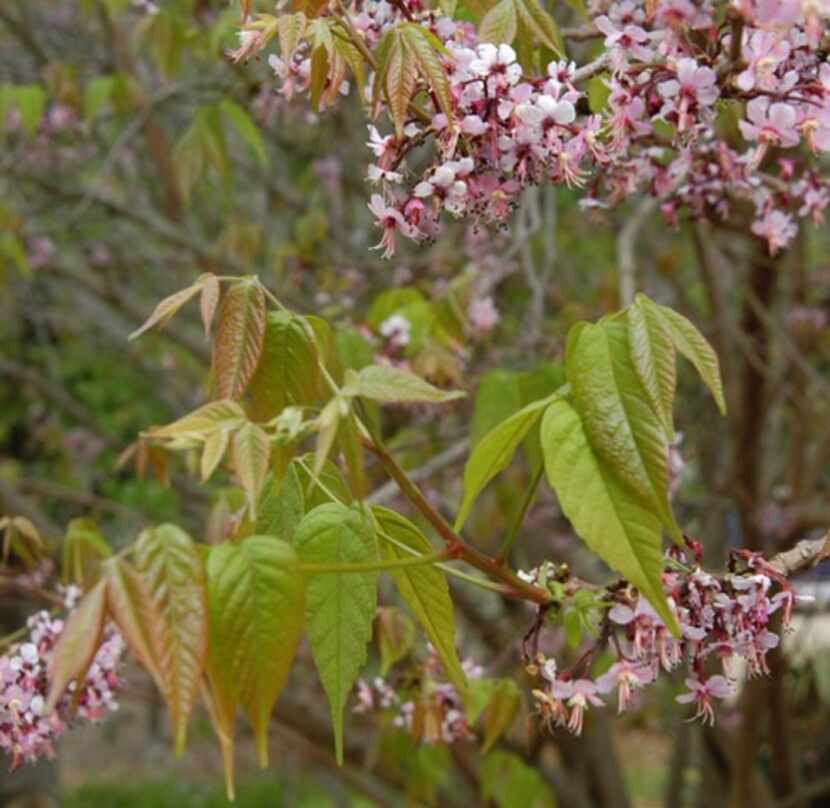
432	712
27	732
671	73
722	620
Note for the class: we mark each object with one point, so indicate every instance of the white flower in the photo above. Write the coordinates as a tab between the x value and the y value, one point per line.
495	61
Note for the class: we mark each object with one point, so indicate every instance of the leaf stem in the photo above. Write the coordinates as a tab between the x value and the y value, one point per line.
510	539
377	566
516	587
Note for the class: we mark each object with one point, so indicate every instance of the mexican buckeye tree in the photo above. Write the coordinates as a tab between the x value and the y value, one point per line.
718	111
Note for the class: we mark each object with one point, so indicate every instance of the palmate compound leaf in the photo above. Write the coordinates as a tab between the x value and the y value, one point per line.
692	344
255	596
340	607
78	643
423	588
172	571
397	77
614	522
494	452
222	414
239	335
623	429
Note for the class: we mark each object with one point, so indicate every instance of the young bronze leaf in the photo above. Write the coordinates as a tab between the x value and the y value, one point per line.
425	47
494	452
620	527
251	450
78	643
131	606
165	310
340	606
239	335
389	385
399	81
209	299
653	354
423	588
623	429
256	617
173	572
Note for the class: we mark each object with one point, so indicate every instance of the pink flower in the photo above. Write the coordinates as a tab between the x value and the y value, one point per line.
483	314
624	43
627	677
777	228
694	87
579	694
392	221
769	124
702	693
764	52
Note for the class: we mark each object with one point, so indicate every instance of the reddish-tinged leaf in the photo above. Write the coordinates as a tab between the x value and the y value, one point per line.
209	299
399	82
78	643
165	310
131	606
251	450
173	571
239	335
425	47
216	443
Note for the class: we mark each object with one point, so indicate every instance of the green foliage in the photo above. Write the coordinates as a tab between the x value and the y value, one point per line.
423	588
388	385
340	606
255	592
509	781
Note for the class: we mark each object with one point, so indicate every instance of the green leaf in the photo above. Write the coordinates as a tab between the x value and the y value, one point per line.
396	633
246	128
534	15
423	588
287	373
498	397
239	336
222	414
77	644
598	93
653	354
216	443
281	506
30	100
256	618
448	7
97	92
389	385
508	781
340	607
617	415
494	452
391	301
613	522
165	310
425	47
693	345
499	24
172	569
251	450
501	711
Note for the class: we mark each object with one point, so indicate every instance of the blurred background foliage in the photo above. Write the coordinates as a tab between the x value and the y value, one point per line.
134	157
